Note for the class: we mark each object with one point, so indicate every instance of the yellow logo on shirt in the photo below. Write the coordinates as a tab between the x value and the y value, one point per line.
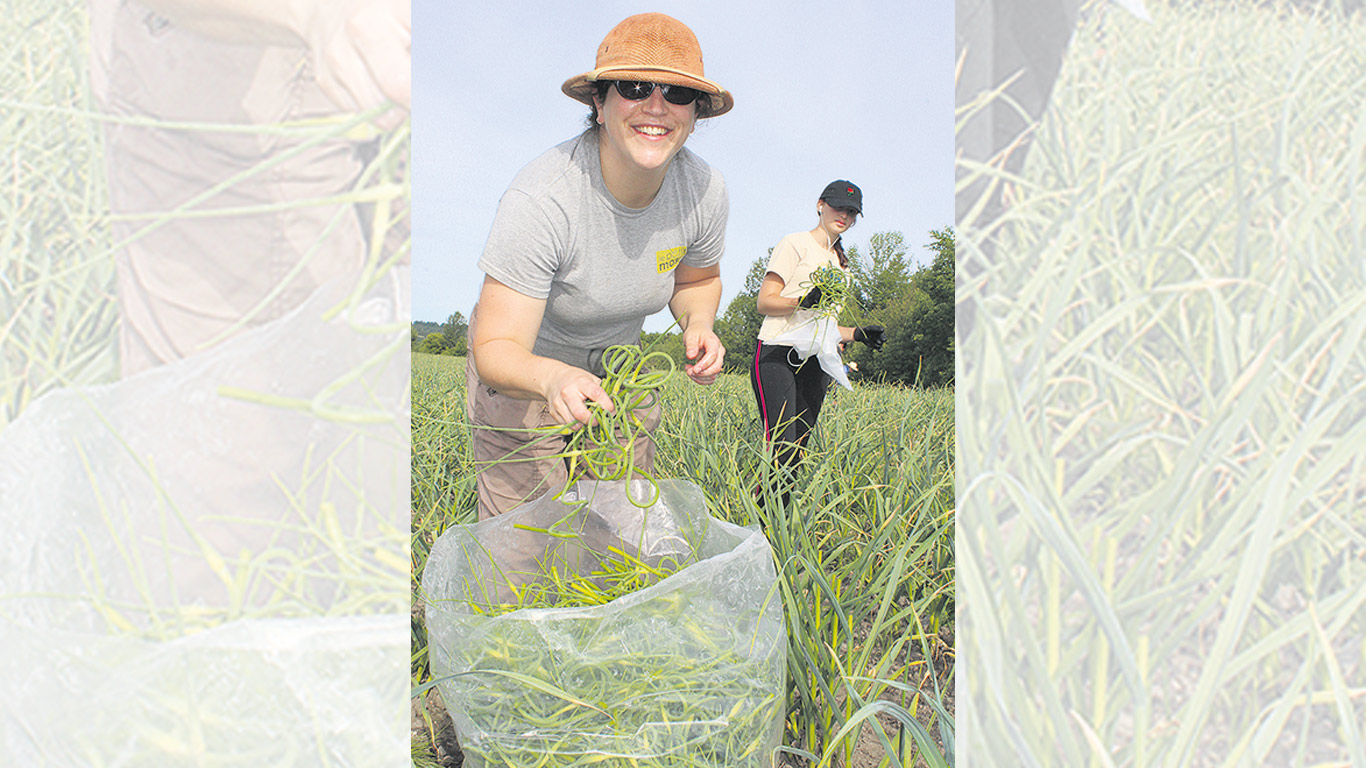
667	259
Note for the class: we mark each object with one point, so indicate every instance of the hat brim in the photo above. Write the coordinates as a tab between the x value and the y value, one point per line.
581	87
838	203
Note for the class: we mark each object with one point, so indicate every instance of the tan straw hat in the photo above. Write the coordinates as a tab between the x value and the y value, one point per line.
655	48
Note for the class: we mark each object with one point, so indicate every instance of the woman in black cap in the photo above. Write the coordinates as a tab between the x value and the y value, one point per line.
788	389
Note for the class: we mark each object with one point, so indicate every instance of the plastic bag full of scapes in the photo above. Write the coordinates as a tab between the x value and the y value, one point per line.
684	667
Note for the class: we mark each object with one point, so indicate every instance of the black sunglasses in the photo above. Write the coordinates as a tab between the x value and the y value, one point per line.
635	90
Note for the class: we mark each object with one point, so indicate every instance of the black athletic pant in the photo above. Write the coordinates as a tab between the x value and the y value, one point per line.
789	392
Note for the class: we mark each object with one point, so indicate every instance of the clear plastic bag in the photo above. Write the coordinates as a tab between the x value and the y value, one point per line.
819	337
194	578
687	671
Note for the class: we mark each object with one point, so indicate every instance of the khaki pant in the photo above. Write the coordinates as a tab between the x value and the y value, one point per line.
528	464
185	284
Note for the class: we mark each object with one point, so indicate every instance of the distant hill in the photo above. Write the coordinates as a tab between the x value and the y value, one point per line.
423	328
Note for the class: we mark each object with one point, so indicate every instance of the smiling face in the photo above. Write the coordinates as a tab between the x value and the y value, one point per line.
641	137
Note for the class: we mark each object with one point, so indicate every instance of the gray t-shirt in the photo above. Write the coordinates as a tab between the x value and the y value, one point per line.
601	267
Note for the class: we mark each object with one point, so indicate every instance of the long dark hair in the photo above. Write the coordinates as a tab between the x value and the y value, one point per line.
839	251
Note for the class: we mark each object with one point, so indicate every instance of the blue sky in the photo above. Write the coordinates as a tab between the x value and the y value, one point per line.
861	91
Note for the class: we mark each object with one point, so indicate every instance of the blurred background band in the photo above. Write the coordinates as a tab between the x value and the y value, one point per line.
1018	48
182	69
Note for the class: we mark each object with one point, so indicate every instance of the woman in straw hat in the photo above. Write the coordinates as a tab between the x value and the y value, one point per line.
592	237
789	390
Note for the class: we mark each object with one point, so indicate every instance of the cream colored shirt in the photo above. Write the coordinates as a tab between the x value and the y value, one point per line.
794	259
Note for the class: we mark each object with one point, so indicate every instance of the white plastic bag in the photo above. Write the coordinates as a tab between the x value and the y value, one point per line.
819	337
693	666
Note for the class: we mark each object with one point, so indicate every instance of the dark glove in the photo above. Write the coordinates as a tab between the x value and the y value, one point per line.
870	335
811	299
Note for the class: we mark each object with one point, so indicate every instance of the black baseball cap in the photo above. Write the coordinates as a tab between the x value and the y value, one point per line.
843	194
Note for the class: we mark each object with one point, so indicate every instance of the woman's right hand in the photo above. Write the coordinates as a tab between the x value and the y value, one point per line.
811	299
503	334
568	391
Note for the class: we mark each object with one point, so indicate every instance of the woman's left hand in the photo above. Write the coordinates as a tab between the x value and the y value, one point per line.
703	348
697	294
872	335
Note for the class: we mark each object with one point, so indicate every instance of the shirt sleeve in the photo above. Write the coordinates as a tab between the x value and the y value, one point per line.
711	241
783	262
523	250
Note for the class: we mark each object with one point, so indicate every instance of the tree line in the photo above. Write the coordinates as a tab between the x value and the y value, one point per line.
446	338
914	306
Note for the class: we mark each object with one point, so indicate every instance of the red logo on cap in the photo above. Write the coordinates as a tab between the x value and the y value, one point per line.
849	190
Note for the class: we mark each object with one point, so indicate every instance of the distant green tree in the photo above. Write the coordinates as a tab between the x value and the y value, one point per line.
881	277
915	309
670	343
433	344
919	347
454	330
754	279
900	358
423	327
